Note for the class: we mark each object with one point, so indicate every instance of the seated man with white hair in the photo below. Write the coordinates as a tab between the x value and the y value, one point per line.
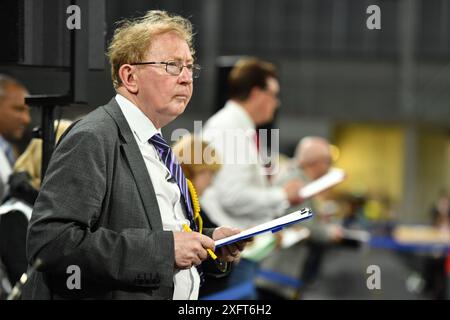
312	160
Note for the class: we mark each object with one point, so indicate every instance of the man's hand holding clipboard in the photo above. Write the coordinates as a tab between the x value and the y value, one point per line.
273	226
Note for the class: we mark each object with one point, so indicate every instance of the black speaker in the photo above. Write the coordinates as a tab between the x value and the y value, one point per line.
35	32
224	64
11	24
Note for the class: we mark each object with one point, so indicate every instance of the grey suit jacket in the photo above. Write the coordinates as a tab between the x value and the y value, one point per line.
97	210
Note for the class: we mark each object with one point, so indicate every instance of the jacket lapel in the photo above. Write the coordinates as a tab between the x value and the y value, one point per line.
137	165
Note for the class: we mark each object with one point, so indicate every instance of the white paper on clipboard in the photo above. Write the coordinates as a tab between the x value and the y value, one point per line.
332	178
274	226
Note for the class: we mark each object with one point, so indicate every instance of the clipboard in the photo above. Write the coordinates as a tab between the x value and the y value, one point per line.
274	226
330	179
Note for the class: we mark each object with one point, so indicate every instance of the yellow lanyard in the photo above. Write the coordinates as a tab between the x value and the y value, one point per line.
195	205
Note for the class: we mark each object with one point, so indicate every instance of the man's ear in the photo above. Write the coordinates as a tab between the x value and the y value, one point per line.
255	92
127	74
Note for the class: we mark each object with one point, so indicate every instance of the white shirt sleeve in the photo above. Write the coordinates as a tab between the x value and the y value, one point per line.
241	186
240	195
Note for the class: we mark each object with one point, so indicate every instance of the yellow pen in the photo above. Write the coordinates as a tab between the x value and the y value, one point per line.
211	253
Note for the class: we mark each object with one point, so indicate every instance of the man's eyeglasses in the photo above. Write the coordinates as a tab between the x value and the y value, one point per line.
274	95
174	68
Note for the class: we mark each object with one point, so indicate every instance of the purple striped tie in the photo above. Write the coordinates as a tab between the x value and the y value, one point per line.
169	159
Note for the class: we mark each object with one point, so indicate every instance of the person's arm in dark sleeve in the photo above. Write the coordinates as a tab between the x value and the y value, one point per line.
13	233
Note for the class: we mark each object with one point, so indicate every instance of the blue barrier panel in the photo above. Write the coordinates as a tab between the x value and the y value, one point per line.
239	292
247	289
390	243
280	278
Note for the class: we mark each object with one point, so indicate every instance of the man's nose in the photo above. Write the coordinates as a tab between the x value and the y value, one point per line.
26	118
185	76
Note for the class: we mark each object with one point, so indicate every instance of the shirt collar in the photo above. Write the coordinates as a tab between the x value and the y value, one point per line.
139	123
240	115
4	144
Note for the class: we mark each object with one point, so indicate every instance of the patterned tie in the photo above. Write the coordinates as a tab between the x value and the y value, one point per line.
169	159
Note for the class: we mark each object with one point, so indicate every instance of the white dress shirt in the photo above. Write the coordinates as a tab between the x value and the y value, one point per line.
5	167
240	195
168	195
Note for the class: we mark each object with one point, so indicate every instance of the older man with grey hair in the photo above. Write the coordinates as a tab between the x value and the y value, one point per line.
114	205
312	160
